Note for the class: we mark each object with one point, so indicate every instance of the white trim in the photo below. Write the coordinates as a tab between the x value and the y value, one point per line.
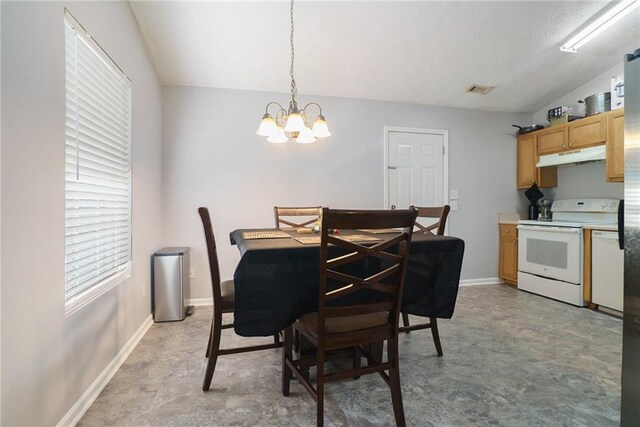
91	294
445	158
481	281
200	301
73	416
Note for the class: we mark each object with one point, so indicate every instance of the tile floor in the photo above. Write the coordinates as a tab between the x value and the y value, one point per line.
510	359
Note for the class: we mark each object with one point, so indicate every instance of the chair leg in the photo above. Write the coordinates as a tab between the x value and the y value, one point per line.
320	387
436	335
377	349
394	382
296	341
212	350
405	320
357	356
209	343
287	355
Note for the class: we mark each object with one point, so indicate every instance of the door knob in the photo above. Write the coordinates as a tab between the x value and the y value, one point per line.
393	207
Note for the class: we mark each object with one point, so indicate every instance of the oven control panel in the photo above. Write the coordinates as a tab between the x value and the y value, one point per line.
586	205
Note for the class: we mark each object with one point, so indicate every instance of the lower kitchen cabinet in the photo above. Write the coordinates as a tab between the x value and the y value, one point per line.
508	254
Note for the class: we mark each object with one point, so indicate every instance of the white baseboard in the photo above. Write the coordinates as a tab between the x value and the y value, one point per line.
469	282
200	301
76	412
482	281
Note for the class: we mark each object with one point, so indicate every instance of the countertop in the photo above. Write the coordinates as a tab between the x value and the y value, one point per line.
510	217
603	227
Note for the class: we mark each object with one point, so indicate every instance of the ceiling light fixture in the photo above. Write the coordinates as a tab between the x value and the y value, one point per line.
599	24
294	121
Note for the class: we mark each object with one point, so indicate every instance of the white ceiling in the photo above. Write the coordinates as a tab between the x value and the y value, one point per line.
415	52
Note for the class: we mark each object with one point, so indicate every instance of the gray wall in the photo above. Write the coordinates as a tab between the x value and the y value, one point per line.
48	361
585	179
212	157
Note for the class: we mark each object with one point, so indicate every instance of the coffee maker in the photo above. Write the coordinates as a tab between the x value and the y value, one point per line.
533	194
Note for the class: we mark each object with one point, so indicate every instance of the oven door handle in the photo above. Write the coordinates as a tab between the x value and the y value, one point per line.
564	230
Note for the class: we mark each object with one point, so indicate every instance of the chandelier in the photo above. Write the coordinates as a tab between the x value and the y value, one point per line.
294	122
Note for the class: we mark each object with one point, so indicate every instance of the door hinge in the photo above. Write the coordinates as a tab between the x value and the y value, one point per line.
443	150
391	167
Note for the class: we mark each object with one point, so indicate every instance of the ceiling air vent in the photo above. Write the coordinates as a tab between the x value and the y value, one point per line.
482	90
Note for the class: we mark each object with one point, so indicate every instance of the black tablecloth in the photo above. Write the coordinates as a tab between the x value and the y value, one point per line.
276	280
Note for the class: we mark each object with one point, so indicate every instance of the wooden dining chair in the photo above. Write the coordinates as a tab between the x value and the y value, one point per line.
370	315
283	216
223	302
440	215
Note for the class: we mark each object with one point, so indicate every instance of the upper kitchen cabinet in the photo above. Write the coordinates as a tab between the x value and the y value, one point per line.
582	133
528	172
588	132
552	140
615	146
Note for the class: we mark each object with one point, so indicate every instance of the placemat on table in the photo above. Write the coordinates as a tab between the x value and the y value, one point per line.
383	231
315	240
276	234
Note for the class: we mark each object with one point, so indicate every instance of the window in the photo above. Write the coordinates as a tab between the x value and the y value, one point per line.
97	170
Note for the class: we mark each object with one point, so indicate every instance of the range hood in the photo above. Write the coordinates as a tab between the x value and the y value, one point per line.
574	156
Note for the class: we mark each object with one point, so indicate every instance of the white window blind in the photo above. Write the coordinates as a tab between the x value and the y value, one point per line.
97	168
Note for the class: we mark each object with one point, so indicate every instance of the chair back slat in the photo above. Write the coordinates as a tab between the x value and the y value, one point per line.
212	252
381	264
353	310
279	212
439	213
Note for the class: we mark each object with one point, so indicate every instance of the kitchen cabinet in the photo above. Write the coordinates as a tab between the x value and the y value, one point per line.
600	129
553	140
588	132
615	146
527	171
508	254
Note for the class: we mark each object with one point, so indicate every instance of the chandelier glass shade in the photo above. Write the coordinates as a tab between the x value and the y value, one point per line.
297	124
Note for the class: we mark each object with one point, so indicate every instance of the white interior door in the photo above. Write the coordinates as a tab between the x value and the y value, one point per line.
416	167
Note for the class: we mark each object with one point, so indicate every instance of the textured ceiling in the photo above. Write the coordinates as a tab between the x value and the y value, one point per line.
415	52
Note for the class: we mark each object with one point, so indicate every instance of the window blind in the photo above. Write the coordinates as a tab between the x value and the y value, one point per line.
97	165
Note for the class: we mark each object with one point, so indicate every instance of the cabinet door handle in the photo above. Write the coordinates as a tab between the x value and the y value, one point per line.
564	145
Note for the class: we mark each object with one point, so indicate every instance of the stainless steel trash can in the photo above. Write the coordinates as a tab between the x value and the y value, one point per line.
171	284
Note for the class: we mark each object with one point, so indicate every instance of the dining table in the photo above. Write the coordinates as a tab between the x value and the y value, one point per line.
276	280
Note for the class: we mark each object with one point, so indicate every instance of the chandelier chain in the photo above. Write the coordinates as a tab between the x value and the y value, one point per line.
294	89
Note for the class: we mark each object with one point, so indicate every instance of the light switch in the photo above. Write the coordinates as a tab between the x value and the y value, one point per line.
454	205
453	195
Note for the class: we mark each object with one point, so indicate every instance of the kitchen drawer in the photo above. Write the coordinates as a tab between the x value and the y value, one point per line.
508	231
588	132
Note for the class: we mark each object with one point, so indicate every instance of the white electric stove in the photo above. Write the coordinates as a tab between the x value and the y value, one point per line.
550	253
